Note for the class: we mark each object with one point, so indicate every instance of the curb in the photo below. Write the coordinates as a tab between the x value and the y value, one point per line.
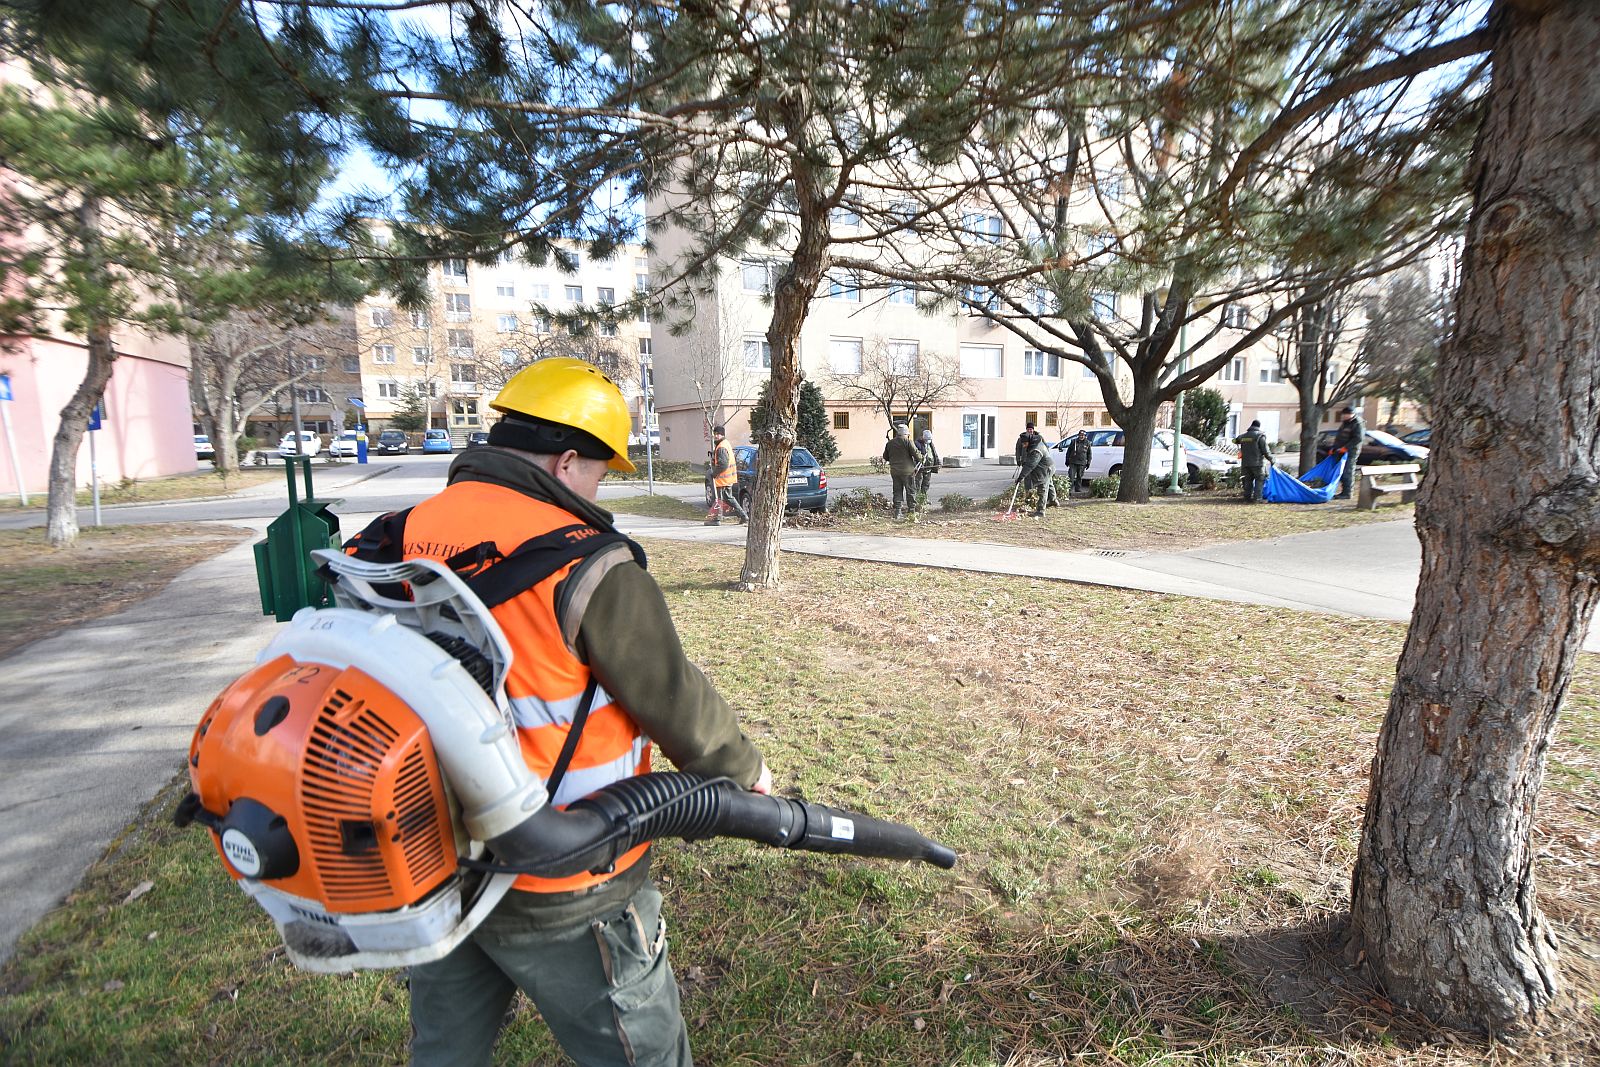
243	494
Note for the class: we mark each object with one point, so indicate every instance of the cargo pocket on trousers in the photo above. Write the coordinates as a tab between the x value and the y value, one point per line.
644	997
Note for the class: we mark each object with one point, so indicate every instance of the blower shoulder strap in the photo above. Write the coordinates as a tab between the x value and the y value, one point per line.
538	558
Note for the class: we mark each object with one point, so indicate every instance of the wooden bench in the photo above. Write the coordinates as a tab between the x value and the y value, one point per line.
1372	489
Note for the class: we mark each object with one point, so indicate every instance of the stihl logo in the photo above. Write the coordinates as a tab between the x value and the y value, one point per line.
581	535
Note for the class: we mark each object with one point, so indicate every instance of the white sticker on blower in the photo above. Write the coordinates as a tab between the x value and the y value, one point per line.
844	829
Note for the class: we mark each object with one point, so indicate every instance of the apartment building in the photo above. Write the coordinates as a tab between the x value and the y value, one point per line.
486	322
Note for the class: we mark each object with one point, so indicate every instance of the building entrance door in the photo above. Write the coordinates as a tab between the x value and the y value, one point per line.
977	431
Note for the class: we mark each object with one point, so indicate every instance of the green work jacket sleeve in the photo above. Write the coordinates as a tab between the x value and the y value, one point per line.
628	639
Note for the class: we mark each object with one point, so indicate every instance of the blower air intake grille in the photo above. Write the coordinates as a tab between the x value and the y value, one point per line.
418	818
342	764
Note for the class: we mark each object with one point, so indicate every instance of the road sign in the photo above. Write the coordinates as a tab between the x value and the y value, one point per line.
5	387
95	417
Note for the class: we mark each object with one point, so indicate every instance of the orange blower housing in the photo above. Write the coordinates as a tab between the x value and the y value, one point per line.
322	784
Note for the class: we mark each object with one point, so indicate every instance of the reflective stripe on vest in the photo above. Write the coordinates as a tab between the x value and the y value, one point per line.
546	680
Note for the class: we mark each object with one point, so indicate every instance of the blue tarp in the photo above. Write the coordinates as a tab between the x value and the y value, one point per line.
1284	488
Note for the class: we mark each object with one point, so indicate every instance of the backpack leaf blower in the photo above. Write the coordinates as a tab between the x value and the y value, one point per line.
364	782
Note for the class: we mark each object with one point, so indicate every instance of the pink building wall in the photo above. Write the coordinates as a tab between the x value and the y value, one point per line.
148	429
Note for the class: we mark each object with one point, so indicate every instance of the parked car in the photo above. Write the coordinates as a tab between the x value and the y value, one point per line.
394	442
436	441
203	448
1379	447
347	444
1423	437
1197	456
1108	449
477	437
808	482
300	443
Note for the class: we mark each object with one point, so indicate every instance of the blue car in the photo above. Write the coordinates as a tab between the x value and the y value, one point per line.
808	482
436	441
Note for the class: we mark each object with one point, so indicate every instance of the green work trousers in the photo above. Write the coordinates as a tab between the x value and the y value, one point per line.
603	986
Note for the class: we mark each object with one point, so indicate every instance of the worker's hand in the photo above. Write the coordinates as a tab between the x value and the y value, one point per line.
763	780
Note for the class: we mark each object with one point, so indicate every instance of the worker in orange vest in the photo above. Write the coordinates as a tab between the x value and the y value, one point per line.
597	676
724	478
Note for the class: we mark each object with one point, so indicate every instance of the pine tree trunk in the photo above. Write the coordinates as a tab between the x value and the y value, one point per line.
1443	903
61	507
1137	449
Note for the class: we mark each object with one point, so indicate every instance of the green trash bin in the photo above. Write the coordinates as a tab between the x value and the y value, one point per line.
285	572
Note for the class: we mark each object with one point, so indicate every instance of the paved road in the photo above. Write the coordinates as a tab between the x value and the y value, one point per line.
400	481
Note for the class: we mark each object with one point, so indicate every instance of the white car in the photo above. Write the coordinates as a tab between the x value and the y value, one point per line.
300	443
346	445
1108	445
203	448
1197	457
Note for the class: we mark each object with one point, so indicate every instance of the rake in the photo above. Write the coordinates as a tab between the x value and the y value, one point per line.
1010	513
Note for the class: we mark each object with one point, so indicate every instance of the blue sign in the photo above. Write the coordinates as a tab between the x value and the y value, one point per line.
355	401
5	387
95	416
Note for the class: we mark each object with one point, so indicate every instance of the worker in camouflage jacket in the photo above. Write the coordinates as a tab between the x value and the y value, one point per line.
1038	474
903	459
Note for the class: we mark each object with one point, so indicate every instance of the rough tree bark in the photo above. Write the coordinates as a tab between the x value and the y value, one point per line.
1443	904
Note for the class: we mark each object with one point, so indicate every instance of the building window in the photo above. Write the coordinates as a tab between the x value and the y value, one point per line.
841	420
540	324
1105	418
606	295
463	373
539	292
505	323
644	346
457	307
983	226
389	390
844	355
508	356
1233	370
420	320
641	283
383	353
1271	373
981	361
1049	418
1103	303
608	329
903	294
757	275
460	343
1037	364
903	357
845	215
308	362
352	364
1088	371
1236	317
432	389
980	298
575	293
311	394
844	285
506	289
1030	418
904	209
455	270
421	355
383	318
757	354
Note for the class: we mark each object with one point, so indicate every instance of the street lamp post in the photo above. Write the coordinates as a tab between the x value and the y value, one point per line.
1178	466
644	424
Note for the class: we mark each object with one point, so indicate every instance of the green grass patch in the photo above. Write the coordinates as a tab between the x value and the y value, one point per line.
1121	804
657	506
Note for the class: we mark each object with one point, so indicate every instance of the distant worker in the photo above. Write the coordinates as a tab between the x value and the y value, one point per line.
1351	436
1254	457
903	459
1039	474
1078	455
724	478
928	466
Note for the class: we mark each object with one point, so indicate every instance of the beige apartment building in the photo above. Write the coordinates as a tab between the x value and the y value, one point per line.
716	369
482	326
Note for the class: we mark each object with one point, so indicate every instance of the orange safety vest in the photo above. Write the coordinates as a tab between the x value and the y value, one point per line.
547	681
726	473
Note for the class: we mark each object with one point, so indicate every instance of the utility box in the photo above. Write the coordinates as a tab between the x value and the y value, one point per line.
285	573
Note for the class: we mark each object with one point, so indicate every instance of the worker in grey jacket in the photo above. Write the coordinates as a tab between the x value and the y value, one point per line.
1079	454
927	468
1038	474
1351	437
1254	458
903	459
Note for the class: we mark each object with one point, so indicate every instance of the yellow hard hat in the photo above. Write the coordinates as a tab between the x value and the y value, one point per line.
570	392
